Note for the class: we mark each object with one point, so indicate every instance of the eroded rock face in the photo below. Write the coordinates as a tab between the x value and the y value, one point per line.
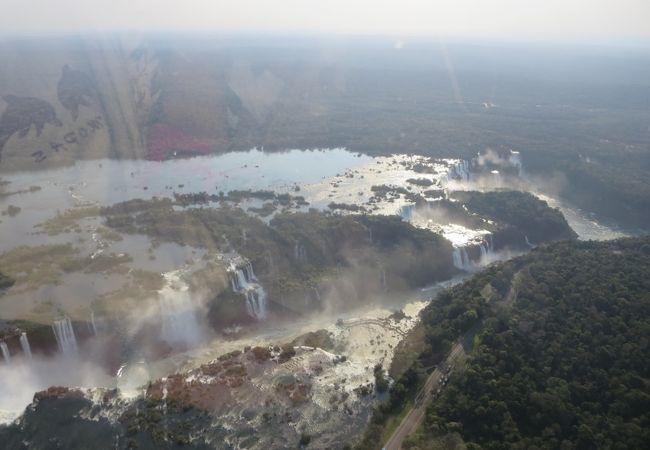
264	397
57	393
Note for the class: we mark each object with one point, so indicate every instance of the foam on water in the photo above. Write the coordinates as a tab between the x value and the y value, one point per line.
178	311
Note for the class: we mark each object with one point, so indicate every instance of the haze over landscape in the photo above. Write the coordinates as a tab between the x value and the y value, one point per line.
329	225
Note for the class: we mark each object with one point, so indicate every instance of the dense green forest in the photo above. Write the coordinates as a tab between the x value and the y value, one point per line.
521	210
560	360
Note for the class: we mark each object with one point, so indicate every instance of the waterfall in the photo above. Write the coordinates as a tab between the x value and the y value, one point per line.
5	352
460	170
165	392
461	259
317	294
487	247
256	302
244	281
92	327
24	344
458	263
384	285
92	322
241	278
467	263
406	212
64	334
250	274
528	243
178	311
299	252
515	160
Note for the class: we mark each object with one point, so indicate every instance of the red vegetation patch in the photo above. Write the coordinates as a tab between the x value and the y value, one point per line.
58	392
166	142
205	388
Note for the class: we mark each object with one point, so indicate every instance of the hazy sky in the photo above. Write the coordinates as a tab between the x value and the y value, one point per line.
553	19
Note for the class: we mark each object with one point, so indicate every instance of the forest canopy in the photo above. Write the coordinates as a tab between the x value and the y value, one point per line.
564	365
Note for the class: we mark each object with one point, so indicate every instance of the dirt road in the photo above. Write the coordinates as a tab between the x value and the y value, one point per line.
414	417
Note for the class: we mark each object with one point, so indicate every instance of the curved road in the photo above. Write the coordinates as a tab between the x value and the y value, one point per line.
423	399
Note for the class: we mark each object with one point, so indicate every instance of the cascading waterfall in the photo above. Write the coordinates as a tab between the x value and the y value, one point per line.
484	250
458	262
461	170
6	356
93	324
486	247
178	311
406	212
244	281
249	272
256	302
528	243
65	337
299	251
461	259
515	160
24	344
384	284
317	294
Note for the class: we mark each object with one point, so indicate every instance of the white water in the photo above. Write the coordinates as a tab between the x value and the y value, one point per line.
515	160
460	170
317	296
299	252
65	337
92	323
244	281
24	344
5	352
132	378
178	311
384	284
587	227
583	223
462	260
406	212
